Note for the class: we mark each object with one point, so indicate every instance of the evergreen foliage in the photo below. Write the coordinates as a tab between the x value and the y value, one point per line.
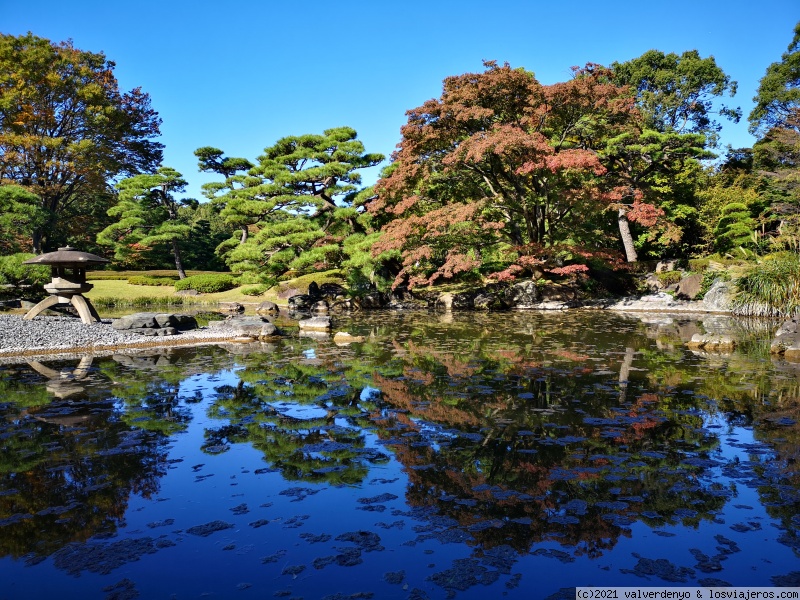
209	283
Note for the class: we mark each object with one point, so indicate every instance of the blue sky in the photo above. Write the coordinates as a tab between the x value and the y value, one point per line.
240	75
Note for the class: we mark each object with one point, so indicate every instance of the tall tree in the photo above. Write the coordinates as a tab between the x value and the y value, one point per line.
678	93
778	95
293	202
148	215
776	156
234	170
498	166
655	161
66	130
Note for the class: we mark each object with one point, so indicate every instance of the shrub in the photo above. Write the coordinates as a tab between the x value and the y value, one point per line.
206	284
770	288
255	290
669	277
146	280
17	276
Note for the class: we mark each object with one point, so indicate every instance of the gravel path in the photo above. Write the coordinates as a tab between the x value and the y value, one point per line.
62	334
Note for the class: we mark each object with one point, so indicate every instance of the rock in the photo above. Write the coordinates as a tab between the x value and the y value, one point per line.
524	294
268	308
144	320
331	291
711	342
155	324
231	307
313	290
316	324
342	338
342	304
11	304
320	307
653	283
719	297
690	287
460	301
487	301
667	265
792	353
252	327
155	332
373	300
187	293
301	302
181	322
786	340
557	293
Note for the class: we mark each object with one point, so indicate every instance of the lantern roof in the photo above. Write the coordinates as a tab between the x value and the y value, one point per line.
66	256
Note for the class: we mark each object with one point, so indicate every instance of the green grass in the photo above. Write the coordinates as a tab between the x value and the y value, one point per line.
118	292
124	275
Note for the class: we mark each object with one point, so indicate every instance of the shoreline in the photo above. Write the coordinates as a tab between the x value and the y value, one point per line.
45	335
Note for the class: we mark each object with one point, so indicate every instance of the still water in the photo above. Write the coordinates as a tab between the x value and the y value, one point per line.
446	456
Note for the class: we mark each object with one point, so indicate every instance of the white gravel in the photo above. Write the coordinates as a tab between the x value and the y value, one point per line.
62	334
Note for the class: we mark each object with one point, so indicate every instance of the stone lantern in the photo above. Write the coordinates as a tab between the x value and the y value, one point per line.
68	285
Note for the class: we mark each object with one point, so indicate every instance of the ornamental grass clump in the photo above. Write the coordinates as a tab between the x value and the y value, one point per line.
770	288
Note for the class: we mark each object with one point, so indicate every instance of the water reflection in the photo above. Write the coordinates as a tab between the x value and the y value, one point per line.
513	439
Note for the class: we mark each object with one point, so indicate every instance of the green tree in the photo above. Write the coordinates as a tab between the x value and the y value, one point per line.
20	214
293	207
655	162
234	170
66	130
678	93
778	94
149	215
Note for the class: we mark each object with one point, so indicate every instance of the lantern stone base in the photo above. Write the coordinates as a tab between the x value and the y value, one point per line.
86	311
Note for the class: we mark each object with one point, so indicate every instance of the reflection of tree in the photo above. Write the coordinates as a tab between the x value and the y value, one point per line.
323	442
69	475
68	467
149	386
527	444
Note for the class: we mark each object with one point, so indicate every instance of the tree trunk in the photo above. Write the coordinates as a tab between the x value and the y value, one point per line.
37	242
244	234
625	234
178	262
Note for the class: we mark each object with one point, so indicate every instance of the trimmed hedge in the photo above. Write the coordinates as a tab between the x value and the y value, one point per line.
206	284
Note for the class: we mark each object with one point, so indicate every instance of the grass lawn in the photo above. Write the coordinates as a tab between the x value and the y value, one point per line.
136	294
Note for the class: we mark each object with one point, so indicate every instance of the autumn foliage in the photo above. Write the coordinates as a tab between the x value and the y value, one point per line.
500	171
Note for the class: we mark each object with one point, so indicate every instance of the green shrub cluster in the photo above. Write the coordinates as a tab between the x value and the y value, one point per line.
209	283
255	290
15	274
147	280
669	277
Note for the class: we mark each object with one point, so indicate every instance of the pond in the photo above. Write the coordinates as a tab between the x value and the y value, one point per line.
445	456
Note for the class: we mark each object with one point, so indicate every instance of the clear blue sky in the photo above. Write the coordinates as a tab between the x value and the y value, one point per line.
239	75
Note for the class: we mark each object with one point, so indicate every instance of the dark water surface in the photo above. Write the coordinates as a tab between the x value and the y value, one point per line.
464	455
